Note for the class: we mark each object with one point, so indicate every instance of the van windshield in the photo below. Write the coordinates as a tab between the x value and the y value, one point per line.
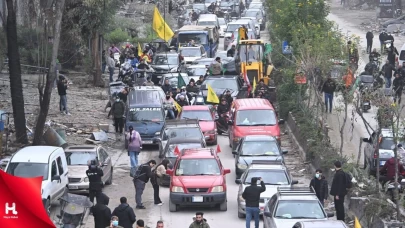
28	169
207	23
199	38
145	114
79	158
186	132
256	118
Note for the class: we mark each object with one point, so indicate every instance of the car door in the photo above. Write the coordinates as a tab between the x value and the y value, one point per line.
103	159
55	184
268	208
63	172
273	205
238	150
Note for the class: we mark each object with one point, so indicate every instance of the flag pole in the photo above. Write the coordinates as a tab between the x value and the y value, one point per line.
164	18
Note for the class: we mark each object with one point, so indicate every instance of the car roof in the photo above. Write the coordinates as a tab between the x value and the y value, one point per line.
183	140
197	66
182	123
254	9
196	108
275	166
323	224
259	138
252	103
238	22
198	153
34	154
296	193
80	148
193	47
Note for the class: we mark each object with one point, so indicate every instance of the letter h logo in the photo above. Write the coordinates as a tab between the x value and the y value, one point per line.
12	208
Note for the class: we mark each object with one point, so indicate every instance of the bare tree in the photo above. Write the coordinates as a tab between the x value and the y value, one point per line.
51	76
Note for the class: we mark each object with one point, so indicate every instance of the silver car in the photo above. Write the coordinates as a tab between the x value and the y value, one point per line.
77	158
274	175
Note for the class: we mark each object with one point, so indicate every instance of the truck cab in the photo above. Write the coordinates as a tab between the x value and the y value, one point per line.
207	36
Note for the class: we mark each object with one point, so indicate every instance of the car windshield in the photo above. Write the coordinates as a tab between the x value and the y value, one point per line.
387	143
232	27
256	118
28	169
199	7
206	23
191	52
251	14
79	158
162	60
145	114
270	177
197	167
258	148
196	71
222	21
299	209
184	132
251	53
222	54
222	84
200	115
170	151
173	81
198	38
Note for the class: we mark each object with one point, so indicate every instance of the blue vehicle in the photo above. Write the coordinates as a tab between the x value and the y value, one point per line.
207	36
145	112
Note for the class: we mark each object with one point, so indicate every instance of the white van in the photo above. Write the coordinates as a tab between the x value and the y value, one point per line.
46	161
208	20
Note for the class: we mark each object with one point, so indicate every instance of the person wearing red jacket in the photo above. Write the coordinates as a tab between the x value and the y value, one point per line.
389	168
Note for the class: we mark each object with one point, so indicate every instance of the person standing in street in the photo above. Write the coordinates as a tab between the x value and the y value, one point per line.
118	111
94	173
329	88
134	147
111	66
392	54
141	177
338	190
157	174
320	186
382	37
387	70
125	213
199	221
101	212
160	224
398	86
62	87
369	38
251	196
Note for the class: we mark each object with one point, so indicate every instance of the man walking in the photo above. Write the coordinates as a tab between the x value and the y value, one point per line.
398	86
94	173
111	66
125	214
387	70
199	221
251	196
62	87
134	147
320	185
329	88
101	212
338	191
382	37
118	111
141	177
369	37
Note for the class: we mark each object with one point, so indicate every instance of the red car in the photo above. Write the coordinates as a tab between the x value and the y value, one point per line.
198	179
206	118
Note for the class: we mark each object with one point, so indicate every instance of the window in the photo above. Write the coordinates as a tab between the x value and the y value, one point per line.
198	167
272	203
170	151
200	115
104	155
146	114
270	177
28	169
259	148
60	165
80	158
54	170
230	84
255	118
187	132
299	209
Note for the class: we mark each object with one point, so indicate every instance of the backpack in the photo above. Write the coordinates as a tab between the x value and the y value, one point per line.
348	177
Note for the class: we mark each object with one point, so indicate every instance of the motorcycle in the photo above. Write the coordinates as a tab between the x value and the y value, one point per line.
125	70
366	85
117	59
390	187
222	127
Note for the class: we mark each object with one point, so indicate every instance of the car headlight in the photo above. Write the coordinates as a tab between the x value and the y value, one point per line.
177	189
211	132
86	179
157	133
217	189
242	166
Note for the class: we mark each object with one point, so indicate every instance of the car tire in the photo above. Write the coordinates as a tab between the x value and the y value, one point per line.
48	207
172	206
241	215
223	206
109	181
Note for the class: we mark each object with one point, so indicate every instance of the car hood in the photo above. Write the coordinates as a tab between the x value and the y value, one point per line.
145	128
77	171
163	67
288	223
241	131
198	181
270	190
207	125
248	159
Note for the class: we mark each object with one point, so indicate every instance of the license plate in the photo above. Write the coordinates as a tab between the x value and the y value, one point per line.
147	142
382	162
73	187
198	199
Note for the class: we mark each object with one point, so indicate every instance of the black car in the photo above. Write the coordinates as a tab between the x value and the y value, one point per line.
256	147
221	83
181	143
163	63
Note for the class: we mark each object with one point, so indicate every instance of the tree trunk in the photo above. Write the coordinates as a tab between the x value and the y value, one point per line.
342	128
51	76
97	80
17	97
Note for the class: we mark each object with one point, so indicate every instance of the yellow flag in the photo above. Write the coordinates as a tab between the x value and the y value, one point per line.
254	84
212	96
356	223
178	107
161	28
139	50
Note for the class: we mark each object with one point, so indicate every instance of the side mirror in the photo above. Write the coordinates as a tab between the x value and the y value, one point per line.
235	152
238	181
366	140
55	178
330	214
267	214
294	182
169	172
281	121
156	140
285	151
230	122
227	171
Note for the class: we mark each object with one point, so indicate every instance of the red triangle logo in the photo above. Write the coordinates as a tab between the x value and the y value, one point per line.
177	151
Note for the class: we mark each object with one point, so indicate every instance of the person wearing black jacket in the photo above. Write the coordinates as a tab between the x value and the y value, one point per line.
125	213
251	196
329	88
200	80
142	176
101	212
166	87
338	190
383	37
387	70
94	173
62	87
228	97
369	37
320	186
392	54
398	86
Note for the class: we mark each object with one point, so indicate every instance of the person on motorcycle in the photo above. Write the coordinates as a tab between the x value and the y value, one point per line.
389	170
261	88
148	82
374	54
231	52
145	56
113	49
184	93
192	88
211	8
200	80
222	109
260	95
227	96
182	100
390	37
143	65
168	103
134	61
128	51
